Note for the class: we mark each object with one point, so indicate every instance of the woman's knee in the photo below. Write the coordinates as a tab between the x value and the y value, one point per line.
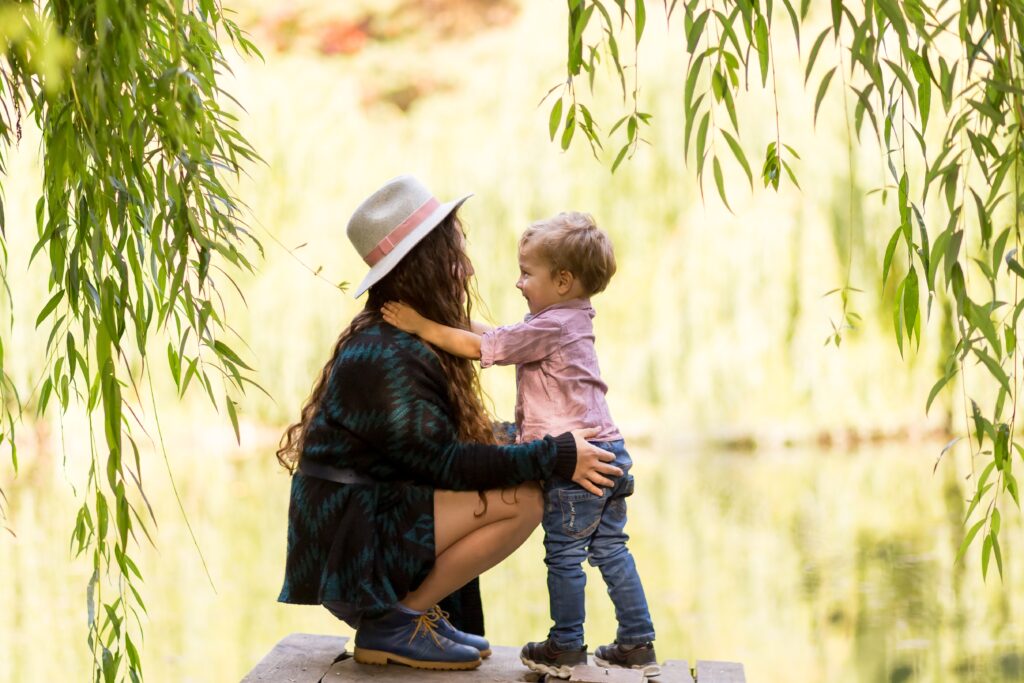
524	503
531	502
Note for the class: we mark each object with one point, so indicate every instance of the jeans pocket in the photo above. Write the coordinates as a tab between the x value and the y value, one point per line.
629	486
581	512
617	505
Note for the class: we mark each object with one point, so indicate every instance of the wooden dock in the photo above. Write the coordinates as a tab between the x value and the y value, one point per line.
308	658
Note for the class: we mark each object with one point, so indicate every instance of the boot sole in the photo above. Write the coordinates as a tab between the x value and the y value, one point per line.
382	658
484	654
649	670
564	671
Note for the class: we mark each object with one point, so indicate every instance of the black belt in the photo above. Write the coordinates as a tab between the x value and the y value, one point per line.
335	474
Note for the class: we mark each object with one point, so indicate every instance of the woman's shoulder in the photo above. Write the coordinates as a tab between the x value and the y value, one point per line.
385	343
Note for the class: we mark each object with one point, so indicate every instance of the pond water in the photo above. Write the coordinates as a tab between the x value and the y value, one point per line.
803	565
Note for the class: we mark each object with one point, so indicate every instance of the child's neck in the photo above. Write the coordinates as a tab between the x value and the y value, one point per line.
562	300
575	291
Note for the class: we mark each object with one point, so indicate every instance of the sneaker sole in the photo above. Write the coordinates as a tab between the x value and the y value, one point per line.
649	670
382	658
564	671
484	654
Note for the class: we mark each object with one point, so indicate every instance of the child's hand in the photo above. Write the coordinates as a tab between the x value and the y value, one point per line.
403	317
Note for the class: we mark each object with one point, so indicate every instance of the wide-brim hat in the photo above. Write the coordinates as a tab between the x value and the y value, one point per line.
393	220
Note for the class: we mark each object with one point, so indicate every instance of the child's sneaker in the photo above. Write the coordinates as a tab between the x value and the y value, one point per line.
547	658
640	657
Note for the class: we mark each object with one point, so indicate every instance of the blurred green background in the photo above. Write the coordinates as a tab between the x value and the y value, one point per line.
786	514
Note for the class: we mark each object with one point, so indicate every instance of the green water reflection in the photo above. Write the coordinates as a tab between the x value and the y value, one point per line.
805	566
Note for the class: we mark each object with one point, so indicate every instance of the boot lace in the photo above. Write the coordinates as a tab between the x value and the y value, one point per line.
439	614
426	624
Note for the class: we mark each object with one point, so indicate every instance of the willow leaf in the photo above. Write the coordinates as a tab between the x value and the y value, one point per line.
49	307
968	539
691	83
737	150
891	9
993	367
233	414
904	80
720	182
639	19
911	306
794	20
889	251
694	34
761	41
1012	264
936	388
570	127
995	547
814	54
986	552
555	118
837	16
822	89
702	135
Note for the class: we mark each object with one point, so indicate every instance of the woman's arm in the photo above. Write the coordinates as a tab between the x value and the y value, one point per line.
461	343
398	404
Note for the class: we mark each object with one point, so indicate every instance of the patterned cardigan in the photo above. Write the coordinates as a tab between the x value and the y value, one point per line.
387	414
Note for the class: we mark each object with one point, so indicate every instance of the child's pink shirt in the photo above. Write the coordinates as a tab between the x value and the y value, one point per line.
558	381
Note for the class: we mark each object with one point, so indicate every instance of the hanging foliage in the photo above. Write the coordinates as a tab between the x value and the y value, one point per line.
139	231
905	66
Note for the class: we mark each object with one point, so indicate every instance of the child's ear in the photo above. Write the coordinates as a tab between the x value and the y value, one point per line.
564	281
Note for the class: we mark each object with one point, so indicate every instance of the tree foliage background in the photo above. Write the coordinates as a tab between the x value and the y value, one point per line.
139	226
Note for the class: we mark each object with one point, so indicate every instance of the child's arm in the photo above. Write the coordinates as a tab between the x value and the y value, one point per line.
462	343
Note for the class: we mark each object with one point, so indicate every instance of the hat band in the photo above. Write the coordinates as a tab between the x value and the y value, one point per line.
415	219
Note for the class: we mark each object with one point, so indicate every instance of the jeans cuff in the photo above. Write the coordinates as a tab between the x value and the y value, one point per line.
635	640
567	647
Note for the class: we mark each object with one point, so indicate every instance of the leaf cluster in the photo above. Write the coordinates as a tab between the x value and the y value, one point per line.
139	230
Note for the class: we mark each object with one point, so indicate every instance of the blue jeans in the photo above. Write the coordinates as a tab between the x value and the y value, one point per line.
579	525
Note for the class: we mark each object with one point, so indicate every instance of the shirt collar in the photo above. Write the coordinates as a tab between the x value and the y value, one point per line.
582	304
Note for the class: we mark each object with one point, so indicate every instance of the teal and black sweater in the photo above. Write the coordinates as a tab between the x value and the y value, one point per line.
387	414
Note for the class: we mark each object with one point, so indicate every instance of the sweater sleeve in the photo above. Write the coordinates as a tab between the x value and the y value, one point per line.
397	402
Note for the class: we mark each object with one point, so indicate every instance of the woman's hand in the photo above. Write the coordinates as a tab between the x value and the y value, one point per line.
592	462
403	317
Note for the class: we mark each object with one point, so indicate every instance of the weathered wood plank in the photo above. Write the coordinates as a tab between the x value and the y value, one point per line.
309	658
675	671
720	672
298	658
584	673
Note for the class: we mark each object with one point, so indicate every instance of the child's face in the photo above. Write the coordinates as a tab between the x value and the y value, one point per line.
536	281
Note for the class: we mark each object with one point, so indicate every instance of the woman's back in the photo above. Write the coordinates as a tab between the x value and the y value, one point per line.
379	376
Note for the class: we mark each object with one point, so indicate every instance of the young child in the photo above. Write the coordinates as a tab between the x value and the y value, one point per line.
563	261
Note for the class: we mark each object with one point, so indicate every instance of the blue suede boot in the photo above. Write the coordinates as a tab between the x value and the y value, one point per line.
446	629
409	637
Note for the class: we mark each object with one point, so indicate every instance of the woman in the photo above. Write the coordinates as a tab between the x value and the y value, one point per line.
400	494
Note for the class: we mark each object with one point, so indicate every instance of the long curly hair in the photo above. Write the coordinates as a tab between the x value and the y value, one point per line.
435	278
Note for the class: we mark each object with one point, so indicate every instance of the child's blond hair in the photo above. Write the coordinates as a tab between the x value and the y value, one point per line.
572	241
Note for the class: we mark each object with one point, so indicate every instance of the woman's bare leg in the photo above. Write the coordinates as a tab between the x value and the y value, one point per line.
467	545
